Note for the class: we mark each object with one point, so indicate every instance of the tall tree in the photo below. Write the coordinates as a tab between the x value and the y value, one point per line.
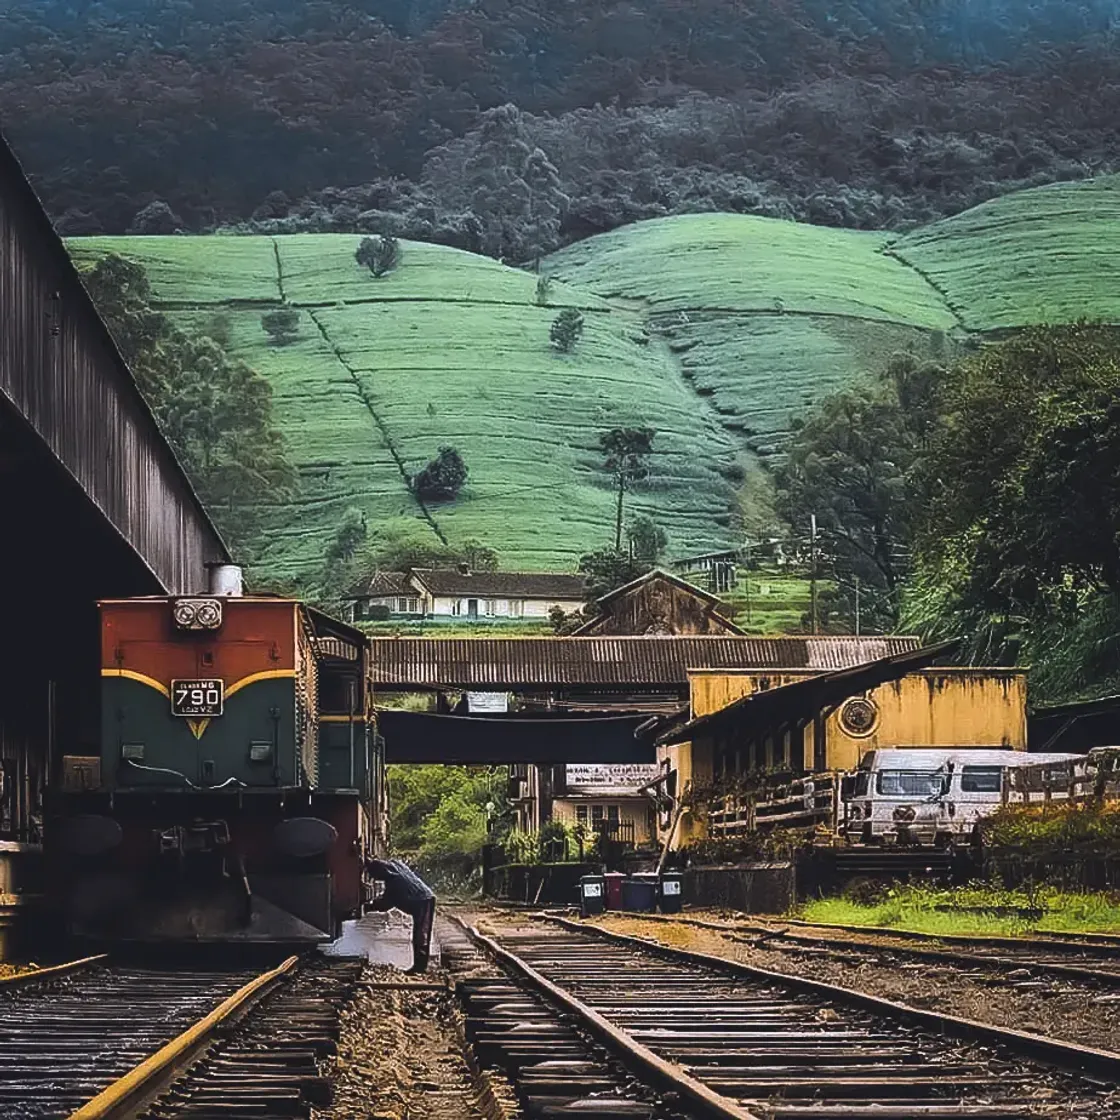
1023	478
849	467
547	203
626	454
216	412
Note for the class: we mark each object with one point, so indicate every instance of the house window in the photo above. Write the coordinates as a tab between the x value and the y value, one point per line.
581	814
612	812
408	606
516	608
596	813
457	606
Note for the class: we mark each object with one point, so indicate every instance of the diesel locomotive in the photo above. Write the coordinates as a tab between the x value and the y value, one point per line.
240	784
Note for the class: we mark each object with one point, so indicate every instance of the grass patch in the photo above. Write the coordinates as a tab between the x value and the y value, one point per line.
974	909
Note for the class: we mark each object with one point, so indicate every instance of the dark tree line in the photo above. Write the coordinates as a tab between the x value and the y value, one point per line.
979	500
341	116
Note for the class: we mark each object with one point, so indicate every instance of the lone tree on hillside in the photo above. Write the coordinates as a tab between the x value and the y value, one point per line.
443	478
544	290
379	256
647	539
566	329
625	455
282	326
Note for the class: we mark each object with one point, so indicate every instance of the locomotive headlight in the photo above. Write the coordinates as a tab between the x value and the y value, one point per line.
209	614
184	613
197	614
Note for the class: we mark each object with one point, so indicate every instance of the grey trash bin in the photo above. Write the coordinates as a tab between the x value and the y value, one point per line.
592	895
669	895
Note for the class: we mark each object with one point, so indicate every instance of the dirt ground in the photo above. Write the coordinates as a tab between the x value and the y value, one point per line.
1065	1010
401	1057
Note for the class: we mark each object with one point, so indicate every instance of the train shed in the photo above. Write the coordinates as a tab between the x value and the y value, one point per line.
93	504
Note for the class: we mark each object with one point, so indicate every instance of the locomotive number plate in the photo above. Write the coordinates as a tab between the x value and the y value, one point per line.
197	698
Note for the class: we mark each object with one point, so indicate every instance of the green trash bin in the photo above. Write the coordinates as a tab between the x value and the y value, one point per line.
669	896
592	895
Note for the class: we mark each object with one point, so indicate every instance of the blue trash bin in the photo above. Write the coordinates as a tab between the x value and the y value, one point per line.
639	893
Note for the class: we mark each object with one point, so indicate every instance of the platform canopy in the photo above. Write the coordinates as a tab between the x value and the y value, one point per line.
541	739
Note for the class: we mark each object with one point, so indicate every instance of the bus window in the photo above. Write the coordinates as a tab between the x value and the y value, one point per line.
981	779
909	783
861	785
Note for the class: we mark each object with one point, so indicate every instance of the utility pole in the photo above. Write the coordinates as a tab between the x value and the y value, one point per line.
813	568
748	556
857	606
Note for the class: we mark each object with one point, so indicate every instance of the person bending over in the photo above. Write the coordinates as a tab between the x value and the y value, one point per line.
406	891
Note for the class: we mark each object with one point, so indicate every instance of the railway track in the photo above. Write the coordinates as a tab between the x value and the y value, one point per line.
1014	961
112	1042
272	1063
66	1037
555	1068
733	1041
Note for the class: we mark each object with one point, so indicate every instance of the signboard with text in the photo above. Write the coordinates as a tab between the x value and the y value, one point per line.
591	777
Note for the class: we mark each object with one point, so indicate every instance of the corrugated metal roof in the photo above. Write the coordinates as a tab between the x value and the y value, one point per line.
640	661
503	585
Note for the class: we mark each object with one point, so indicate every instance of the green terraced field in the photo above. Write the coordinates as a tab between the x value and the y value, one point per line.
1047	255
738	263
450	348
777	602
765	317
714	329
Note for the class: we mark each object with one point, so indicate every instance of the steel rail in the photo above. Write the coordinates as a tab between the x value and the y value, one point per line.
20	979
128	1094
1070	1056
1052	939
665	1075
837	945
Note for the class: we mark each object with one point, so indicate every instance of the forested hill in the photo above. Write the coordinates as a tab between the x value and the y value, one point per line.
386	114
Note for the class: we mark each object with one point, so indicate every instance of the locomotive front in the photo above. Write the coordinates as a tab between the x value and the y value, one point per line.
235	797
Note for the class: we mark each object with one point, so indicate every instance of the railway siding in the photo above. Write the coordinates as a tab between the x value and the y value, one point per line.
1027	985
788	1048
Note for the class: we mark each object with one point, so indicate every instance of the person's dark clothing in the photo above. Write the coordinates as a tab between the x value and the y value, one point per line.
406	891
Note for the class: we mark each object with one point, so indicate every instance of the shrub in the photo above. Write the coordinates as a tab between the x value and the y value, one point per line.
443	478
282	326
379	256
566	329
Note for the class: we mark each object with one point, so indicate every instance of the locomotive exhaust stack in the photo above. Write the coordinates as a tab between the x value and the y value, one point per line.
225	579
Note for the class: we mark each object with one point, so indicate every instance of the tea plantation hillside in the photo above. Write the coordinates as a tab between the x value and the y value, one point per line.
713	329
1047	255
449	348
766	316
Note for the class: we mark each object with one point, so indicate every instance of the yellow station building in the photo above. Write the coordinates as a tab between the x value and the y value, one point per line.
817	722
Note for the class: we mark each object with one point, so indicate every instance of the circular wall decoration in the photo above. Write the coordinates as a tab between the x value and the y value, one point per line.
859	716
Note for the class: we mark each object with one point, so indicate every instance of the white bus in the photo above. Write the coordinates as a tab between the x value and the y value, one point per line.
935	796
